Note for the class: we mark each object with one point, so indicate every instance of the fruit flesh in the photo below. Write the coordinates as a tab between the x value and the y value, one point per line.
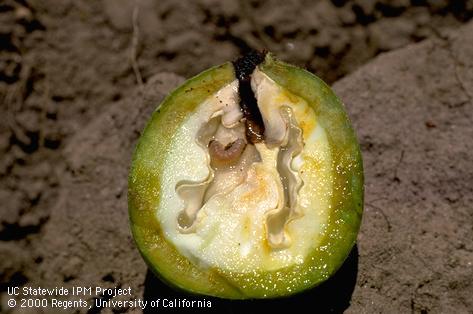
231	224
325	251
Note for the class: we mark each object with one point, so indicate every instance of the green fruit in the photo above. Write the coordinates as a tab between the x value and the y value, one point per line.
261	202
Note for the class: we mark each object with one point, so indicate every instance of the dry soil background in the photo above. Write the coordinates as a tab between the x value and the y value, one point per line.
72	109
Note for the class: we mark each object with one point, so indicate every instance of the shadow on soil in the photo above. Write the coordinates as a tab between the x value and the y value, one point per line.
333	296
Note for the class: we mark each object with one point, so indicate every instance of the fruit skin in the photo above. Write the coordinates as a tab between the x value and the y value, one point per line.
344	218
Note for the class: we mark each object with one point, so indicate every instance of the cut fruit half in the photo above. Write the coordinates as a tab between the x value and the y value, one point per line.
247	182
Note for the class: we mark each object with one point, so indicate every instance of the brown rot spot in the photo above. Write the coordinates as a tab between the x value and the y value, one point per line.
228	155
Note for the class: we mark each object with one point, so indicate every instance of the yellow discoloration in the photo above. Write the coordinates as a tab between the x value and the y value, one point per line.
246	230
304	113
306	119
311	165
287	97
259	191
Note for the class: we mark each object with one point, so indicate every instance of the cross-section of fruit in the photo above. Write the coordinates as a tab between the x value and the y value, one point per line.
247	182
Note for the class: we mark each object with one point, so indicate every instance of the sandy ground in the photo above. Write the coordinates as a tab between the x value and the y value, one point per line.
72	110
